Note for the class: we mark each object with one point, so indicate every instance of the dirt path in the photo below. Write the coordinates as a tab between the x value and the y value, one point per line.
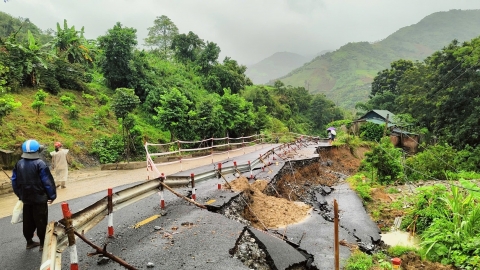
88	181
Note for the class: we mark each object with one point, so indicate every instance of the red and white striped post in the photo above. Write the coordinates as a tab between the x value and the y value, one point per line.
162	201
250	167
67	215
192	177
110	212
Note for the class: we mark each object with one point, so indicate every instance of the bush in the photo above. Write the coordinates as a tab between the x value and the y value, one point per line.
55	123
428	207
468	159
108	149
88	78
397	251
386	160
73	112
48	80
371	132
101	116
66	100
41	95
37	106
70	76
359	261
103	99
432	163
88	98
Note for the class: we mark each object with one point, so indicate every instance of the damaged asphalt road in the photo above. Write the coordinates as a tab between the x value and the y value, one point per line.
187	237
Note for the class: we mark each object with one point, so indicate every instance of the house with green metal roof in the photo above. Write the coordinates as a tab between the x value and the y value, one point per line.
398	135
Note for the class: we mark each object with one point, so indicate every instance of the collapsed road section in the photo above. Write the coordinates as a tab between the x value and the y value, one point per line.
289	215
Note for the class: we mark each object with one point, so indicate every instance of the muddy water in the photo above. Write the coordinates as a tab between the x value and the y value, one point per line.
399	238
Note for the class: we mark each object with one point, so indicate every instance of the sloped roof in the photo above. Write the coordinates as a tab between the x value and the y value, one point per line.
379	122
380	115
384	113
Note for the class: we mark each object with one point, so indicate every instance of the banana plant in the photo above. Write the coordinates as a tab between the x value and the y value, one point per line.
32	56
71	45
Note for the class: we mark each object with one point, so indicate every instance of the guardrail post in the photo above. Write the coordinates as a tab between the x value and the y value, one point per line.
250	168
148	166
212	149
162	201
192	177
263	167
110	212
243	144
228	147
67	215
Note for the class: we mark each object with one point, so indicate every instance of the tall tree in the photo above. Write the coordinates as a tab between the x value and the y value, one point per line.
187	47
173	112
161	35
118	45
123	103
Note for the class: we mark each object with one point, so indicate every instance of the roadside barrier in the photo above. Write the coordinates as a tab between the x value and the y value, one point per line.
62	233
110	212
67	215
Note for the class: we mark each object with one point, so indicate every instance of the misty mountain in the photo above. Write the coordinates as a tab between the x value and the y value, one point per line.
345	75
279	64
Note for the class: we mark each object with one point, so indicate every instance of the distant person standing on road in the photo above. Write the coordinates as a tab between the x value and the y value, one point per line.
60	164
34	185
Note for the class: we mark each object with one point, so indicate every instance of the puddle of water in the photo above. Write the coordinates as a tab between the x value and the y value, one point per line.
399	238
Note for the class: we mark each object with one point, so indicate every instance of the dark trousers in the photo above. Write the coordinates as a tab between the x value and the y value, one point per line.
35	217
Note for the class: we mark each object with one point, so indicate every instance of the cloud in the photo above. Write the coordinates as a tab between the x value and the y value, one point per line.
246	30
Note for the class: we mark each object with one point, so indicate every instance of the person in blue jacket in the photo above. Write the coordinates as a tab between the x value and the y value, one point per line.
34	185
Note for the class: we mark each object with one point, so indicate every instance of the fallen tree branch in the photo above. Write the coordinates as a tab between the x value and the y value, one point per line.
104	252
183	197
229	186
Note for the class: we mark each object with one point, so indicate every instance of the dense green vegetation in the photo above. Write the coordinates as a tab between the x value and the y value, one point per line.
439	99
345	75
87	90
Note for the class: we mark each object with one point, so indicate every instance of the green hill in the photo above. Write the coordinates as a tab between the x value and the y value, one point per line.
344	75
274	66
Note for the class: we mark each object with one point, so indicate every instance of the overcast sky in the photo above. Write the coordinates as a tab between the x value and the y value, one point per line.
246	30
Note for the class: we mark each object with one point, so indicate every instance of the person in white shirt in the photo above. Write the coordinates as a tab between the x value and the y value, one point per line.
60	164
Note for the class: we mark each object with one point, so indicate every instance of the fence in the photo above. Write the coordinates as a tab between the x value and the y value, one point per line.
61	234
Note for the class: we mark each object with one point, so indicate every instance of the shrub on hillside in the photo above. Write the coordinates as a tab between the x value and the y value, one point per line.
371	132
432	163
55	123
386	160
108	149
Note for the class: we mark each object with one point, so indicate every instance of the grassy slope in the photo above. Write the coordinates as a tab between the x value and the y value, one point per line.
345	74
77	135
